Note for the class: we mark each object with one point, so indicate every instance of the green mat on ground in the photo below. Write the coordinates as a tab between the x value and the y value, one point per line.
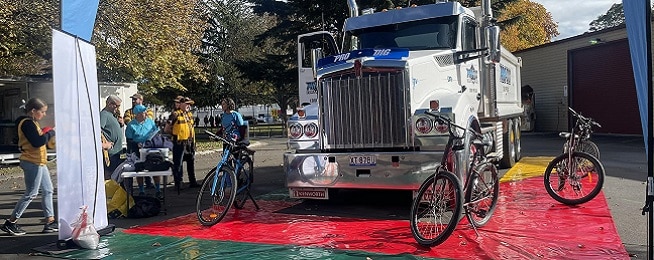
128	246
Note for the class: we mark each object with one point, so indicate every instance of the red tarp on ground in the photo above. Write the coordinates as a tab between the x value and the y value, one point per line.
527	224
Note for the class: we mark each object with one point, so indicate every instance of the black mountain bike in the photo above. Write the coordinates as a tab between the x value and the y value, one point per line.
436	210
577	175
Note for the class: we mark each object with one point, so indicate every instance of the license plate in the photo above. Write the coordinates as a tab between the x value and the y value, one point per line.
363	160
309	193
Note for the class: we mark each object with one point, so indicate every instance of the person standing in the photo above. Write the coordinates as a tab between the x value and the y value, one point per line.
110	127
32	141
230	120
212	121
180	125
206	121
137	99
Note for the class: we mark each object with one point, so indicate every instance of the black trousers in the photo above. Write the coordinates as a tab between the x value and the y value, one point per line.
181	155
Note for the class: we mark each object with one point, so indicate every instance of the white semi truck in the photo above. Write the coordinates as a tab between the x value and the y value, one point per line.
362	124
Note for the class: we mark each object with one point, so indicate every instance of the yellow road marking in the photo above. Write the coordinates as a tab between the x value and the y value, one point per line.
527	167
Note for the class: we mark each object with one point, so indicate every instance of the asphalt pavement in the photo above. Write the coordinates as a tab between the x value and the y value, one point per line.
623	156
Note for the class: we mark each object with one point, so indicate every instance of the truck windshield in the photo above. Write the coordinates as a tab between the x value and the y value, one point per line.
429	34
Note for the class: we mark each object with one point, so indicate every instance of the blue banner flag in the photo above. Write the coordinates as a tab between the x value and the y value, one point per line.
637	15
78	17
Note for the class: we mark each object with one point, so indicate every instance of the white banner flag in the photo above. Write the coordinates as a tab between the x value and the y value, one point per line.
80	177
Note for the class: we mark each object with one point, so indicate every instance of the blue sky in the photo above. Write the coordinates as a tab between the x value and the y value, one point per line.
575	16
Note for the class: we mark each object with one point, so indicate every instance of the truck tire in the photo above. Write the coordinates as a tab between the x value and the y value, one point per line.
518	139
508	145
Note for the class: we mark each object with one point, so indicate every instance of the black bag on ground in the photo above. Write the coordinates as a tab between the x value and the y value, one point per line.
144	207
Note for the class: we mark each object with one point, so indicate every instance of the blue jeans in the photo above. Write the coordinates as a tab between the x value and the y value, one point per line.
36	176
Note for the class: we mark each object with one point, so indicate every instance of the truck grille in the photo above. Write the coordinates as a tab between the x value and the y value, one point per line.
370	111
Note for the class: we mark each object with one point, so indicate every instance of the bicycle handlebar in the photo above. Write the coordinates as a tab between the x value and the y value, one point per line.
449	122
216	137
585	120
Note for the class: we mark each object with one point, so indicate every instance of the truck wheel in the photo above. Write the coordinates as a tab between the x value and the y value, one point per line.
508	147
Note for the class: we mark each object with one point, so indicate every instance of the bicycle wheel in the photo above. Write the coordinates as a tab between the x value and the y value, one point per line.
576	182
210	206
244	177
587	146
481	194
435	211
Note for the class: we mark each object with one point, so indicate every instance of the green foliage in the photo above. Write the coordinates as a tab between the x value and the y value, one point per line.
26	36
228	39
153	44
613	17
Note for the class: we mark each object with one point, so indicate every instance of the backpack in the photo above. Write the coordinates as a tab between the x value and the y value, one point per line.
144	207
154	162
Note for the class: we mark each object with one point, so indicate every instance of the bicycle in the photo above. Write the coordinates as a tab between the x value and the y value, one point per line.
436	210
217	193
577	167
582	130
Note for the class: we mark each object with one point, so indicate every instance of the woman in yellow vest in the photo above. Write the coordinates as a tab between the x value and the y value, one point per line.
32	142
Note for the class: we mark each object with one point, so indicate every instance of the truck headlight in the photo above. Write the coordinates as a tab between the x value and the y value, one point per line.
311	130
424	125
295	130
441	126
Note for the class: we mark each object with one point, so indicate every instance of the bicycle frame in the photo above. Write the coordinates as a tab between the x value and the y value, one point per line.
224	162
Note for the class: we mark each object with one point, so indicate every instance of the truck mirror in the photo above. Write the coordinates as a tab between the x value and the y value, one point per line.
493	43
316	54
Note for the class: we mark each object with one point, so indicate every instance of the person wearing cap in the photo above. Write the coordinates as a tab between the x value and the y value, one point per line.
137	132
180	126
137	99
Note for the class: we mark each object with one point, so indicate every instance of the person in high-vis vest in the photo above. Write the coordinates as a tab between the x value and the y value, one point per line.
32	142
137	99
180	126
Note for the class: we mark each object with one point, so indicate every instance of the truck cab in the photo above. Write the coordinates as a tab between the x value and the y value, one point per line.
363	123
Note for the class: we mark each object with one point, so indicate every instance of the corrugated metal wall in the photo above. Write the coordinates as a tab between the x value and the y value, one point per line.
545	69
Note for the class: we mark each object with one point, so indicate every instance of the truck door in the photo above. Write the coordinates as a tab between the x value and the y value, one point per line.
323	40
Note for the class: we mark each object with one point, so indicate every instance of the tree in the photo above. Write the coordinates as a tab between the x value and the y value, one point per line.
152	43
613	17
532	25
227	40
26	37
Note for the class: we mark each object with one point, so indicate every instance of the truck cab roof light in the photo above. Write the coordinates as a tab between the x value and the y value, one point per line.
434	105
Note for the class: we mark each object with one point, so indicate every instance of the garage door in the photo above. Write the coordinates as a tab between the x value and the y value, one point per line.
602	87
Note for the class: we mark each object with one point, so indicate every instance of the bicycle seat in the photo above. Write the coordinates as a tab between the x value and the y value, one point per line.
566	135
243	143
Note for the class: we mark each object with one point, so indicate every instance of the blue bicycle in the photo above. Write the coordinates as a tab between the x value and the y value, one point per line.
226	184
